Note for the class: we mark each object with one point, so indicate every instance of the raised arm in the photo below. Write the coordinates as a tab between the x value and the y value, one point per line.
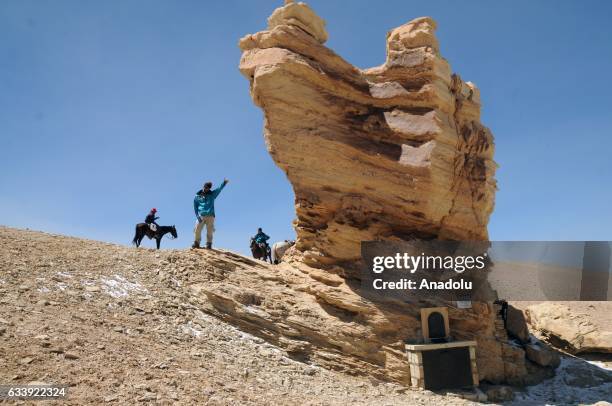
218	190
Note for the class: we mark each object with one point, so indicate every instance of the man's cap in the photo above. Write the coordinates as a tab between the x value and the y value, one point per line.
154	210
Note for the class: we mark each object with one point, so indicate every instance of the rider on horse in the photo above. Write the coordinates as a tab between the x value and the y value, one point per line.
260	247
150	219
261	239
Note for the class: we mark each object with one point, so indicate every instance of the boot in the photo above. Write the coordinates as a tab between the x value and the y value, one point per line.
209	245
195	245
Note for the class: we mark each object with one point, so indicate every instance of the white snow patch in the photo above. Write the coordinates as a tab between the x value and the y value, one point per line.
64	274
250	337
118	286
191	329
602	365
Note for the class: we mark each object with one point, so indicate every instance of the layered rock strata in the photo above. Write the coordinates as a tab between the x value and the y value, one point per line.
392	152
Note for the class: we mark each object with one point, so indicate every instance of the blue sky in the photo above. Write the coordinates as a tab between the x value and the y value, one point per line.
108	108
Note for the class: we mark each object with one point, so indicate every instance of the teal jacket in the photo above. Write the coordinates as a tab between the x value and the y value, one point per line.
204	204
261	237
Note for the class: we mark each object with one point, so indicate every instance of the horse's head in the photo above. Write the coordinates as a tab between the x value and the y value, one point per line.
173	232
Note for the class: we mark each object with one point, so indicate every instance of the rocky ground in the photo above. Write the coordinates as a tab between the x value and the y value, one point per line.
115	324
119	325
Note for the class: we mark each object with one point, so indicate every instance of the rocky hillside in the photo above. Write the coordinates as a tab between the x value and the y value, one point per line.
121	325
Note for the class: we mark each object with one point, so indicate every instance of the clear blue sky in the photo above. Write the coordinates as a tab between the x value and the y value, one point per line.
108	108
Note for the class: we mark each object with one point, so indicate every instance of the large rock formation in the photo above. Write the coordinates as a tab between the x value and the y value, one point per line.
390	152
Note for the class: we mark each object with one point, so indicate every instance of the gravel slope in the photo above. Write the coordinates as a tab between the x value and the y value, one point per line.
115	324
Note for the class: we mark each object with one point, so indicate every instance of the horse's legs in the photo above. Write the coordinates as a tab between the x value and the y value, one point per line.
157	240
139	238
135	240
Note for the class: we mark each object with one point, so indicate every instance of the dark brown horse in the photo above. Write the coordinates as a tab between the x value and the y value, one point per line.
261	251
143	229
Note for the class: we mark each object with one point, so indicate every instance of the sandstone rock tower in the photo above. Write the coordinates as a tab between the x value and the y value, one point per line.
392	152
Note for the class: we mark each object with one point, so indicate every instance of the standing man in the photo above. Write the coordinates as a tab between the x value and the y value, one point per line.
204	207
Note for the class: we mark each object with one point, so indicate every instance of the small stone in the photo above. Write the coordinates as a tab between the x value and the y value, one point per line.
26	360
148	396
39	383
310	371
541	354
92	288
71	355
